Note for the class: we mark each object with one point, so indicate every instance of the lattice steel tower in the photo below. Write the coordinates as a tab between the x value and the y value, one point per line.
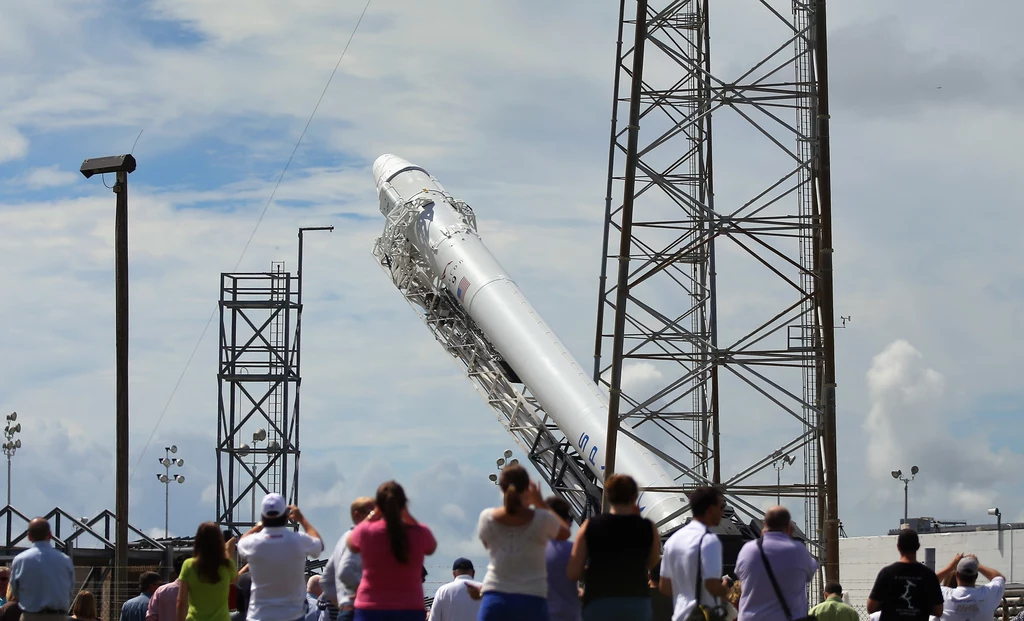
716	310
258	379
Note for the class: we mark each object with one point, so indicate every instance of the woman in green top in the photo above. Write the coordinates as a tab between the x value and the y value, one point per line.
206	578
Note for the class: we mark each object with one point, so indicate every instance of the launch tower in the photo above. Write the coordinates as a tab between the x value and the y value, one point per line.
715	316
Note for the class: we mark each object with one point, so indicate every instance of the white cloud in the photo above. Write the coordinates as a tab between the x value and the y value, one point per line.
48	177
910	424
13	144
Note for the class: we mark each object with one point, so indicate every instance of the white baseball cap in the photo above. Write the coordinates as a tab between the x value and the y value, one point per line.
273	506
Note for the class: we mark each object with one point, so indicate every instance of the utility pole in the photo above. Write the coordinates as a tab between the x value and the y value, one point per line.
121	166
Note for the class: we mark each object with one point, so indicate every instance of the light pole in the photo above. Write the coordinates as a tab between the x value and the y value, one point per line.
780	462
11	446
257	436
501	462
898	475
166	479
121	166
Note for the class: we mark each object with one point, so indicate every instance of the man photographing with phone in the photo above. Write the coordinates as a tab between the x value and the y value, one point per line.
277	561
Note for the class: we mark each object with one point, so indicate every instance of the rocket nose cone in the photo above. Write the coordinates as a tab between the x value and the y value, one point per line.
382	164
387	166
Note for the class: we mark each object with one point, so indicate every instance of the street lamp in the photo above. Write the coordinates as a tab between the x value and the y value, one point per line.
780	462
505	460
898	475
11	446
257	436
166	478
121	166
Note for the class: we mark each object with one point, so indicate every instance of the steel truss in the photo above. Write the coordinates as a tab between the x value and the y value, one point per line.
258	379
516	409
679	246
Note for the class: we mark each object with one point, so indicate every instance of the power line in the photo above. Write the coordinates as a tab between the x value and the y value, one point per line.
253	234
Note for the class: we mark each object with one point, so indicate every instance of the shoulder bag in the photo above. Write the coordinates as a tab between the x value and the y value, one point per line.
701	612
775	585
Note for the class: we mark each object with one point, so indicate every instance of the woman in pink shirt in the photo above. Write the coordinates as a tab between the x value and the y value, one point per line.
392	545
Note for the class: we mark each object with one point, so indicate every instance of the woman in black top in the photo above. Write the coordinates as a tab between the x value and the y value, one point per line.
612	554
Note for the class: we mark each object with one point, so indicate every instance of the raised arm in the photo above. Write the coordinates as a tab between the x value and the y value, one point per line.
578	558
989	573
948	570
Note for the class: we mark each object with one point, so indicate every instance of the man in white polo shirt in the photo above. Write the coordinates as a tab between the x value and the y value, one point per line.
968	601
277	561
452	602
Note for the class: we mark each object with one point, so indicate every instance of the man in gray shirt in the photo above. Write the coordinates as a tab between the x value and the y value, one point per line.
344	569
42	577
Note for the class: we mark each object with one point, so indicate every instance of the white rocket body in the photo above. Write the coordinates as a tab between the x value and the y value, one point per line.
481	285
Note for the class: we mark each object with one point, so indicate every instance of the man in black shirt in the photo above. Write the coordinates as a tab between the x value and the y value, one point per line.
907	590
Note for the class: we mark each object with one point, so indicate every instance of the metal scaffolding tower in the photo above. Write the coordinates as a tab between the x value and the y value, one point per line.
715	327
258	379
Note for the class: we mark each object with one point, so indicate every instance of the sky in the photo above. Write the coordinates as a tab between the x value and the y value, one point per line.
508	106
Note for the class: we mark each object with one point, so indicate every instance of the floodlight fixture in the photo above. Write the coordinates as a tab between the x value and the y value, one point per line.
108	164
274	445
243	450
259	435
179	462
994	511
163	478
493	477
13	416
173	448
914	470
514	462
508	453
179	478
17	443
896	474
500	462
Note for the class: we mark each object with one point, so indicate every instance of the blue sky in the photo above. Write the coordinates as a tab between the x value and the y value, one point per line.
508	106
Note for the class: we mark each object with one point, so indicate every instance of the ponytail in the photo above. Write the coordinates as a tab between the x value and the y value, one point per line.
513	500
514	481
391	502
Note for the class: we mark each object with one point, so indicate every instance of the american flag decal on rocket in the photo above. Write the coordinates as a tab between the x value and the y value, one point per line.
463	288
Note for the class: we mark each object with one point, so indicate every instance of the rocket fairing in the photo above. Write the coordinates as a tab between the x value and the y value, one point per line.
443	232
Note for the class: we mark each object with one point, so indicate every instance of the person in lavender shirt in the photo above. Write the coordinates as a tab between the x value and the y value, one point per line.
563	594
791	564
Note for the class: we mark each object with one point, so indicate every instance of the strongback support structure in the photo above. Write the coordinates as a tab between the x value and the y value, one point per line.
258	378
685	382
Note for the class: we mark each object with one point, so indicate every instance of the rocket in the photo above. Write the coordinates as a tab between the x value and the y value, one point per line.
443	232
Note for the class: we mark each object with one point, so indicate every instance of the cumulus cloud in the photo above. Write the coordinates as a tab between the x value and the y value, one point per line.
13	144
48	177
909	423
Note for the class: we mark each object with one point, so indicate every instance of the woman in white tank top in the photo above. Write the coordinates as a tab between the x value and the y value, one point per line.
516	537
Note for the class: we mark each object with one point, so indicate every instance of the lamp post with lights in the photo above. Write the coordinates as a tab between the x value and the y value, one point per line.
11	446
505	460
898	475
167	461
779	462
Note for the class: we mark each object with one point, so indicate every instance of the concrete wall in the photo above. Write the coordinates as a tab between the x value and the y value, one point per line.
860	558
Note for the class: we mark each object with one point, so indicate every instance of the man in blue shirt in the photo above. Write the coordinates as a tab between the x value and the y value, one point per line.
42	577
135	609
